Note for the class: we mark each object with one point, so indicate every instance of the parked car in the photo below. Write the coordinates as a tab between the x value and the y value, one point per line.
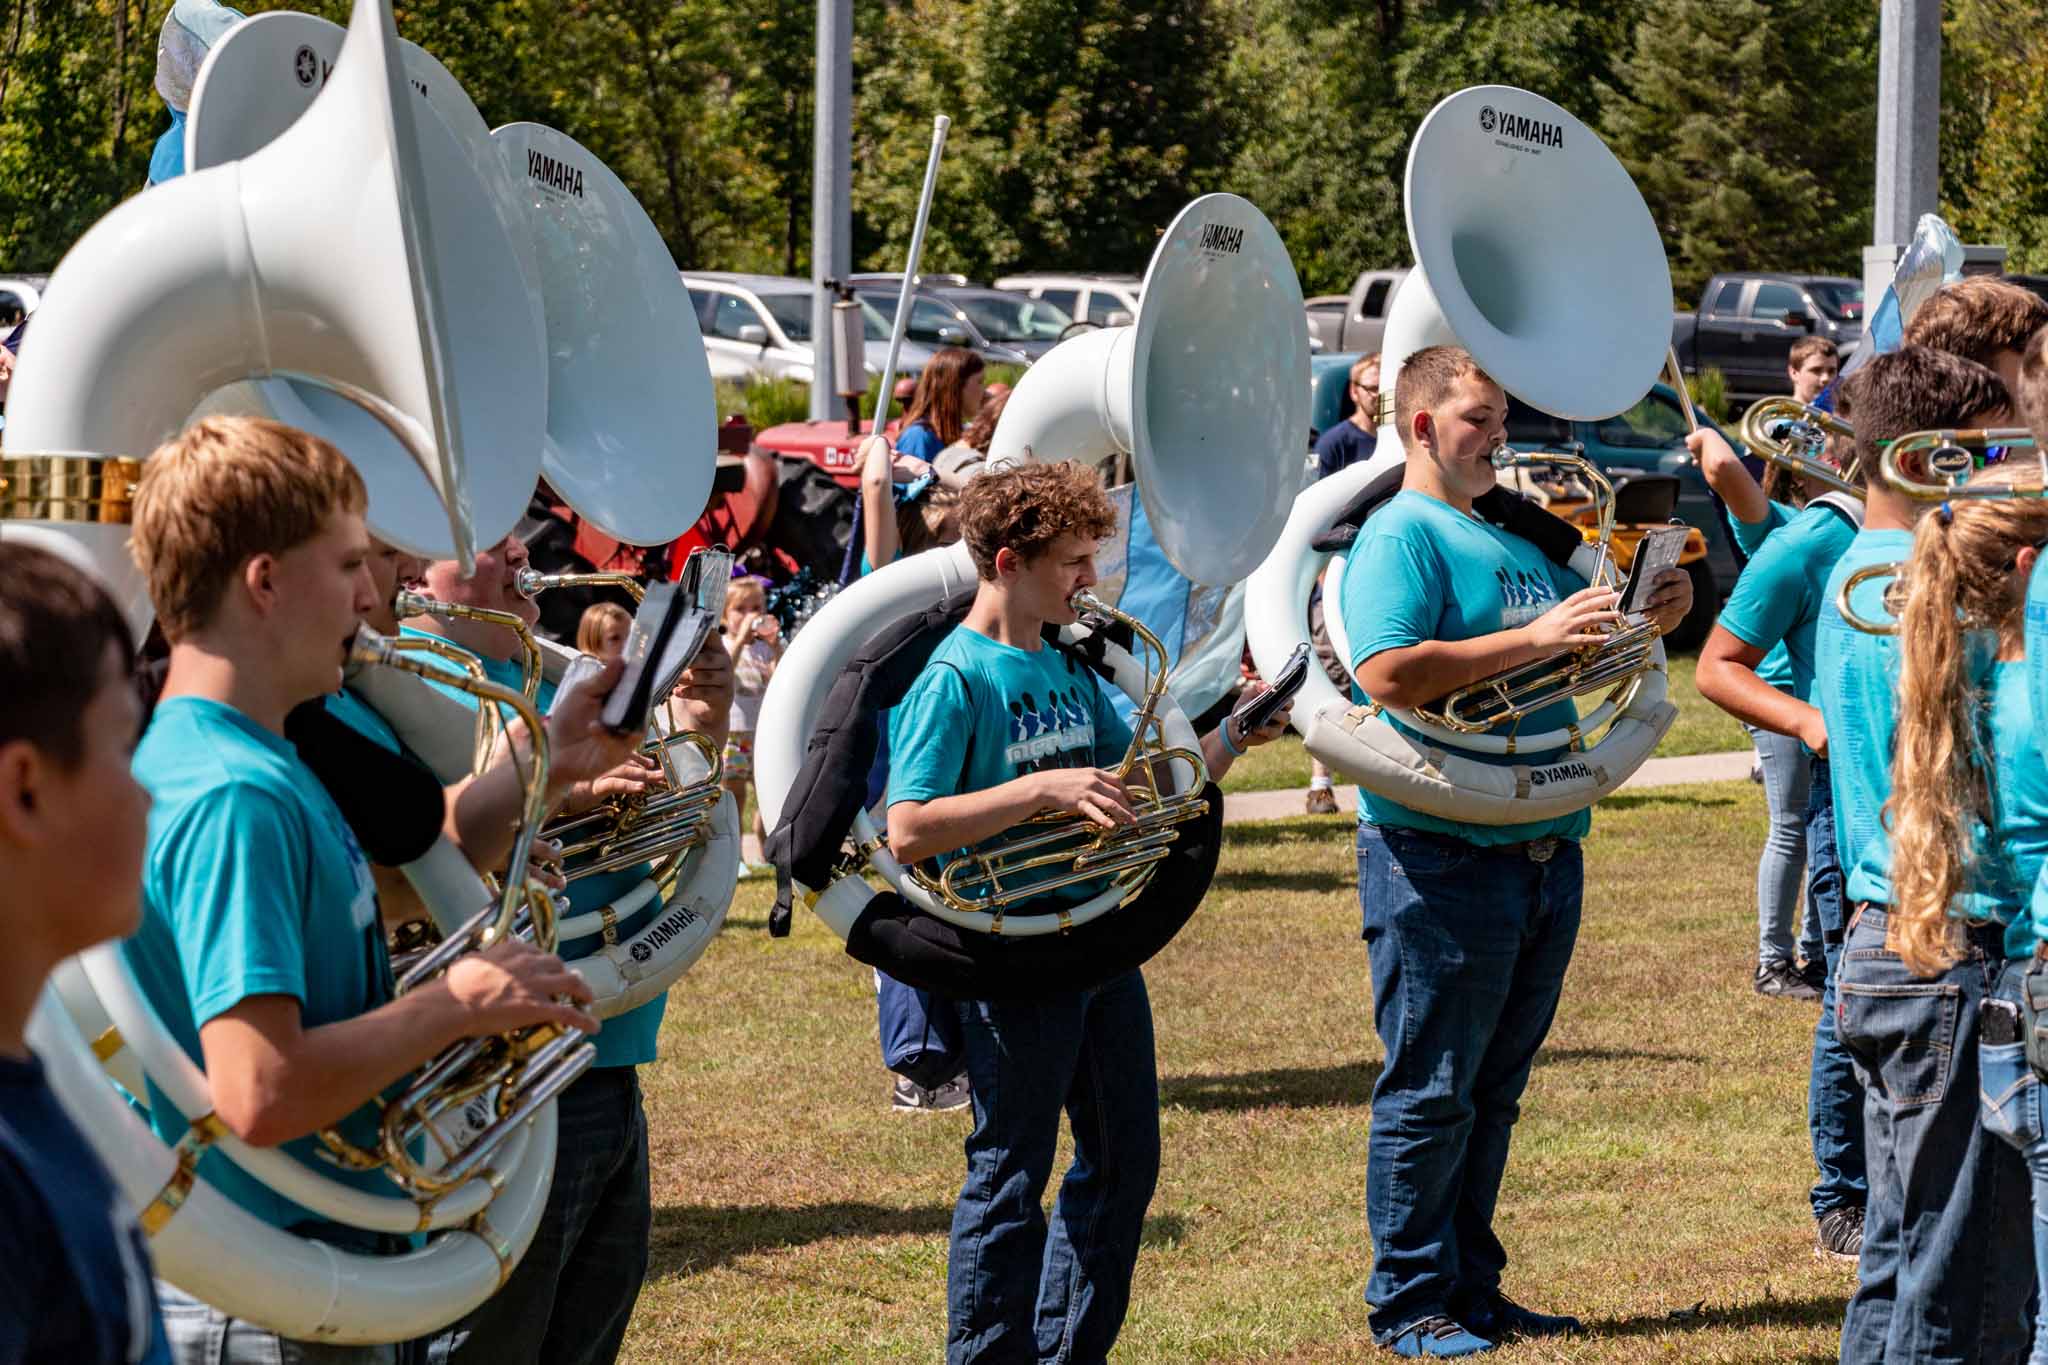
760	326
19	296
1018	321
1356	321
1646	441
937	320
1748	321
1107	300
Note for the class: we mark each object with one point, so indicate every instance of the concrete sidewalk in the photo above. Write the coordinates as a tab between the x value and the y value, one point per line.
1658	772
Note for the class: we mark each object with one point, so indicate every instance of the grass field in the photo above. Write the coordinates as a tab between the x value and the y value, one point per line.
1701	728
1657	1187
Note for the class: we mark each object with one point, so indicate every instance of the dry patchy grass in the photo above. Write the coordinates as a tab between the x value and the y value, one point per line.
1661	1160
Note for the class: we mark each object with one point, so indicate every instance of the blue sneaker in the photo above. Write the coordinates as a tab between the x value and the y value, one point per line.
1501	1317
1437	1338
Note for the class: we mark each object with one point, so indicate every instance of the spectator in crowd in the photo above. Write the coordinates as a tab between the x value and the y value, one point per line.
604	630
754	637
1352	439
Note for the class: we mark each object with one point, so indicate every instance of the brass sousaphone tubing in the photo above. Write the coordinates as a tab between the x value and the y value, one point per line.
1518	692
515	1073
986	880
625	831
1789	434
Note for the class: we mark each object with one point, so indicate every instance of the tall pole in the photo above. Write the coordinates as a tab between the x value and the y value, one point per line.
831	189
1908	129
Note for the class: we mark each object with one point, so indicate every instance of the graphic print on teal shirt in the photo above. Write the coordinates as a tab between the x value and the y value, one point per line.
633	1037
1778	597
1776	666
983	713
1855	678
1422	570
252	885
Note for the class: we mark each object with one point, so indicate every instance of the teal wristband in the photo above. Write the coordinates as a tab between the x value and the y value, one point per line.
1223	732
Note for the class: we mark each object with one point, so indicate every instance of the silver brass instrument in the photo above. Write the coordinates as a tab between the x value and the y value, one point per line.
1791	435
1944	473
986	879
1617	662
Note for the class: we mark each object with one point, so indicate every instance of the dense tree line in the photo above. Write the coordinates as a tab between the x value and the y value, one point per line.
1080	126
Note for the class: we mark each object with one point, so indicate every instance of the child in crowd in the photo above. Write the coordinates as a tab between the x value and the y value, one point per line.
604	630
754	637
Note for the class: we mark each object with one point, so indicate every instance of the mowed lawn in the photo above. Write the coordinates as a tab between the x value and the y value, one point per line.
1657	1186
1701	728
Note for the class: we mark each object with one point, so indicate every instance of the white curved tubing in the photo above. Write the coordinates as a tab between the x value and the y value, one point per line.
185	1085
632	972
216	1251
83	1005
1364	745
789	708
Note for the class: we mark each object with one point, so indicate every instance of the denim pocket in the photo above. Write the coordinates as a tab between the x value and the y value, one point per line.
2008	1092
1420	859
1903	1031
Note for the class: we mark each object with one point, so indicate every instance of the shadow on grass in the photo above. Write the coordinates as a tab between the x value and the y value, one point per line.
1296	829
1646	800
1255	879
1347	1084
688	1239
1820	1310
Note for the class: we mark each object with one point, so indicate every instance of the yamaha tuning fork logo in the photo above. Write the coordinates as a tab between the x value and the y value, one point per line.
559	176
1520	128
1222	239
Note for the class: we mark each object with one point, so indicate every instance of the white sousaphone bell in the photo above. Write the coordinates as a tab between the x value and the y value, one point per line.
1535	252
358	254
1202	394
631	424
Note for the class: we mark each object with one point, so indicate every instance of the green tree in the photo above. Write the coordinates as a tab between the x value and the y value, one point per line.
1746	125
1994	149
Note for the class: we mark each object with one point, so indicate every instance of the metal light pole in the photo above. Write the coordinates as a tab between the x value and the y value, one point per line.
831	189
1908	128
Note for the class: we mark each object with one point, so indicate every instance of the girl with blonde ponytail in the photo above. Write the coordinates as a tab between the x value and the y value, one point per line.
1969	813
1962	808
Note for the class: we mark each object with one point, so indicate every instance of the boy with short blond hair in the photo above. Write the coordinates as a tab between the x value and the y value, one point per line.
260	945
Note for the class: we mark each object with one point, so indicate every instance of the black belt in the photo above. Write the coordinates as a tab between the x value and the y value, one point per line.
1535	850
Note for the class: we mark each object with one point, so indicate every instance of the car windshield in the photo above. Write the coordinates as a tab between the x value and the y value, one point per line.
1843	302
1013	317
792	313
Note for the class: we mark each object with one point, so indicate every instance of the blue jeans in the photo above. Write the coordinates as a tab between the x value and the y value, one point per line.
570	1297
1468	948
1945	1273
1781	871
1834	1088
2013	1106
1017	1290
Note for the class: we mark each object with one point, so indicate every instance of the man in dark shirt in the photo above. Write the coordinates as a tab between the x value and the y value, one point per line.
74	1269
1351	440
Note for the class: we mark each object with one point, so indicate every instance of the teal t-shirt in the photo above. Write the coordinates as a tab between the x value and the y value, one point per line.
1423	570
982	713
1855	681
633	1037
2035	922
1776	666
253	884
1778	597
2011	854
